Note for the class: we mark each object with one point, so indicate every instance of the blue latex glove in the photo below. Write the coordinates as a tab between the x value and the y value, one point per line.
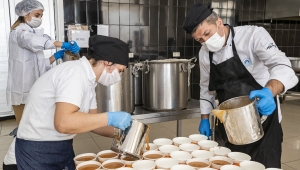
119	120
71	46
59	54
266	104
204	128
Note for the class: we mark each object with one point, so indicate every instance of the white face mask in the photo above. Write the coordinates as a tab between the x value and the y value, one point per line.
108	79
35	22
215	42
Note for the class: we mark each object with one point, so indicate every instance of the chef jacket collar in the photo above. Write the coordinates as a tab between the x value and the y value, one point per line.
88	69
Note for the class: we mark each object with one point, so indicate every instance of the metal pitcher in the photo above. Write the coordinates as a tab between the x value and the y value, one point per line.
131	141
241	120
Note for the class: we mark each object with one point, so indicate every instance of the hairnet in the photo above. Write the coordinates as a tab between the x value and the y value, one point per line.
26	6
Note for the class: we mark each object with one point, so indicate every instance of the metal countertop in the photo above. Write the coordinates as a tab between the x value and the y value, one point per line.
147	116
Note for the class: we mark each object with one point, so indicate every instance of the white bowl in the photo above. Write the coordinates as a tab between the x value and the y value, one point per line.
198	160
88	163
181	140
125	168
273	169
202	154
85	155
165	163
100	159
220	151
152	147
197	137
182	167
223	158
127	163
162	141
251	165
238	157
181	156
231	167
207	169
110	161
152	152
207	144
189	147
144	165
167	149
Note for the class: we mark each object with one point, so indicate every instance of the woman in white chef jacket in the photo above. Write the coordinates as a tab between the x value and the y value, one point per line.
62	103
26	58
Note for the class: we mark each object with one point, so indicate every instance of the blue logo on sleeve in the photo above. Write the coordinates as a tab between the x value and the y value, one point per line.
247	62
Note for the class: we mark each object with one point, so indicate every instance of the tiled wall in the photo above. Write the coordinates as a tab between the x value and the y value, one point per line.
153	28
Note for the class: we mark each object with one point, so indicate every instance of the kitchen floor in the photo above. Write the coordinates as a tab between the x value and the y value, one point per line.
89	142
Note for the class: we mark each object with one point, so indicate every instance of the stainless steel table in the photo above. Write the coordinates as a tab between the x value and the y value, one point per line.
147	116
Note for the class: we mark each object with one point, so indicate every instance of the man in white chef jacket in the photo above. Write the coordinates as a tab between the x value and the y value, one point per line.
238	61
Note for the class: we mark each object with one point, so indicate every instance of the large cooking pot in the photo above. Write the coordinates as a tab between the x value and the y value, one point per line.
165	84
295	61
241	120
138	83
117	97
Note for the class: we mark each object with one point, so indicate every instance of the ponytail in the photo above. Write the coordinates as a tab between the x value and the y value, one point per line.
20	20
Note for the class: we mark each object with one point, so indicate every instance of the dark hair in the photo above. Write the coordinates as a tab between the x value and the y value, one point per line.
20	20
95	60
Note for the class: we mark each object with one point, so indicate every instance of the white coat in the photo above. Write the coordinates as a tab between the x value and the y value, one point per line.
260	56
26	62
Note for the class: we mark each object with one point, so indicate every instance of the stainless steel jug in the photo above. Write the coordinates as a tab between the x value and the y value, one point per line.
241	120
131	141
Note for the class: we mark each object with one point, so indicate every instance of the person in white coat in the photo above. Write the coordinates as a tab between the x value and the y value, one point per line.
240	61
26	58
27	61
62	103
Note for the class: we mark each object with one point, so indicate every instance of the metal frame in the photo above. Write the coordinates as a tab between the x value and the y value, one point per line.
147	116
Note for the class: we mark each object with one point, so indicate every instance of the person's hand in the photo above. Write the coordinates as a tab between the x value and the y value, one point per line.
119	120
266	104
71	46
59	54
204	127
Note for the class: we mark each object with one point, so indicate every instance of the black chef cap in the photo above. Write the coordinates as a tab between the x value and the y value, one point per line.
196	15
108	49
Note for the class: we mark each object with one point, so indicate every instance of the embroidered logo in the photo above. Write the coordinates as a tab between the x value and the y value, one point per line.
247	62
271	45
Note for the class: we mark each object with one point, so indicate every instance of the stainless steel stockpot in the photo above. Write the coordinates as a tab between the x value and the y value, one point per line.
117	97
241	120
165	84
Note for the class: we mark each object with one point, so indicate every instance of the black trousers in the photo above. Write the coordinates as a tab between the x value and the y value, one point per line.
10	167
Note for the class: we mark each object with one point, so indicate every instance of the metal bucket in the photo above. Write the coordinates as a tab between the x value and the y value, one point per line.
117	97
241	120
131	141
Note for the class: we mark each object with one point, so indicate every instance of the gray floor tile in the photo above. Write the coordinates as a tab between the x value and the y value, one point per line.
86	145
104	143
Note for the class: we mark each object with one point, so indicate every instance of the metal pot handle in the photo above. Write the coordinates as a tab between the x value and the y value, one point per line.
194	58
136	67
148	67
181	65
263	117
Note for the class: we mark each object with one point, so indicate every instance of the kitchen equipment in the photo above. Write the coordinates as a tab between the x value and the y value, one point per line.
295	61
119	96
131	141
138	83
165	83
241	120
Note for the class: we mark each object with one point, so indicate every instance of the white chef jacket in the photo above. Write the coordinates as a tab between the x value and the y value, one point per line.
259	54
70	82
26	62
